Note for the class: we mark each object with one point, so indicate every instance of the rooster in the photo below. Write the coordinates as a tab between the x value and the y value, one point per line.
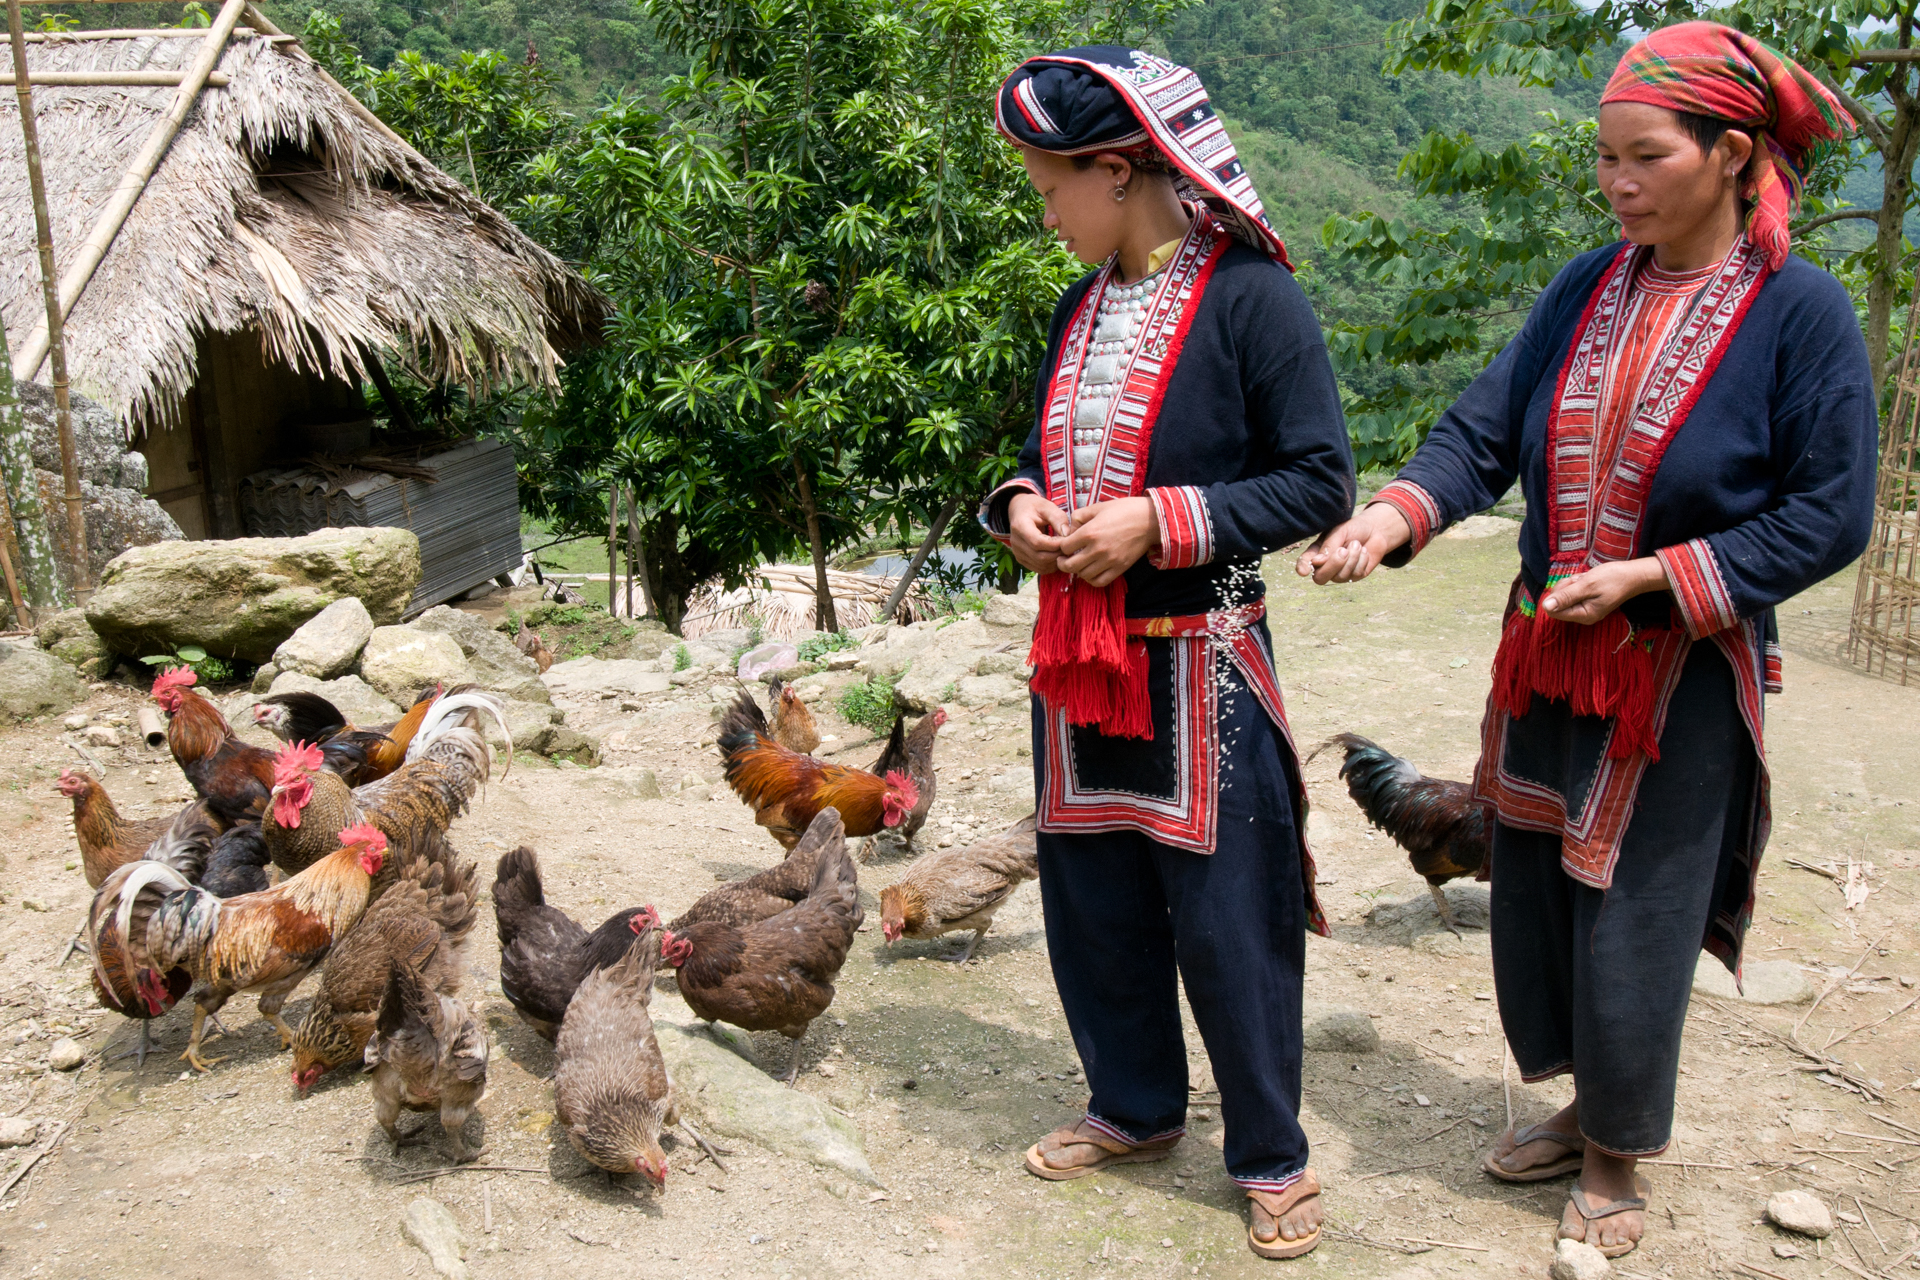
766	894
447	760
231	776
265	942
422	920
911	753
776	975
428	1053
544	955
1445	831
787	789
123	977
107	840
793	726
953	889
307	717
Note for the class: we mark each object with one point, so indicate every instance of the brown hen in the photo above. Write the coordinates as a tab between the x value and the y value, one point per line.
793	726
777	974
786	789
766	894
952	889
428	1053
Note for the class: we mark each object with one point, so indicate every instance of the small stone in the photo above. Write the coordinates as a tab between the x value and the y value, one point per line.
77	723
1342	1031
1203	1114
1578	1260
1851	1219
33	904
17	1131
1422	1100
1772	982
66	1054
1781	1249
1801	1212
103	735
429	1225
687	676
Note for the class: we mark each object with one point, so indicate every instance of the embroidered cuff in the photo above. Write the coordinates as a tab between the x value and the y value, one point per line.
1694	574
1186	527
993	508
1418	506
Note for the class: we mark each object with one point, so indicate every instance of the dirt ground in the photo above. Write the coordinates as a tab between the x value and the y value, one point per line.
172	1175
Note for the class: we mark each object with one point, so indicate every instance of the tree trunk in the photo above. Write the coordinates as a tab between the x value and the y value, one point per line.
919	559
637	563
1896	182
40	574
824	618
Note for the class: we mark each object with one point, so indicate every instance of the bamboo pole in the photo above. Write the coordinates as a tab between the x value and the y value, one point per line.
49	286
931	541
20	610
217	79
94	248
24	508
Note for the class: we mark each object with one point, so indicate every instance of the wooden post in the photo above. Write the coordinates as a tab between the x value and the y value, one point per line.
927	545
49	286
613	548
86	259
632	533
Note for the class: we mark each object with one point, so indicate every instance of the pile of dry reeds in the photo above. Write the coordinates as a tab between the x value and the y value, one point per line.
781	599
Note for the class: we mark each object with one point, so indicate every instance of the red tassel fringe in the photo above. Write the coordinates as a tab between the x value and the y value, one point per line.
1599	670
1083	661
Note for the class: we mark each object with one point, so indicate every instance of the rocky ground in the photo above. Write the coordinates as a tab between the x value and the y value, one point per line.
948	1072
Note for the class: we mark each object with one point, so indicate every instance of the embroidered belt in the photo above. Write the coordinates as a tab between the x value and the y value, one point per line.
1220	622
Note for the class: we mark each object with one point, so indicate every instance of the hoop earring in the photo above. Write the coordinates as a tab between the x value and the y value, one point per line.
1119	194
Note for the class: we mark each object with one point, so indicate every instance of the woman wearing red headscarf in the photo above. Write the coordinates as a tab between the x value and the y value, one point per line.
1691	416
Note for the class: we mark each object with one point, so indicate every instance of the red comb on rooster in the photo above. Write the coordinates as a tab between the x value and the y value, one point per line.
293	768
167	687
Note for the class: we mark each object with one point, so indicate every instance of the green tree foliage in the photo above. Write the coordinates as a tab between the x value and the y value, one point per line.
1520	211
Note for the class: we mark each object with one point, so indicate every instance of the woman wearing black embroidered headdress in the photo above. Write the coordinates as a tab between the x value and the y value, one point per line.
1187	424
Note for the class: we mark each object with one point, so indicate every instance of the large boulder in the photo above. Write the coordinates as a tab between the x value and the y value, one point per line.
243	598
329	643
583	679
530	723
736	1099
943	661
99	443
497	664
68	637
400	661
33	683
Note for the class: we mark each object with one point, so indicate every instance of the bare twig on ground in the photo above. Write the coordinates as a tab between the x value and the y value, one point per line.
1895	1123
1867	1026
1868	1219
1834	986
1875	1137
1350	1238
46	1148
1387	1173
1685	1164
1442	1129
1808	866
421	1175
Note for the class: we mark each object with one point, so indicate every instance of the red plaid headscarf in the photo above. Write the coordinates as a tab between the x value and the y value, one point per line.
1706	69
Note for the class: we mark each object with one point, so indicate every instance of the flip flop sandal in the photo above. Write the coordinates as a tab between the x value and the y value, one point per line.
1570	1163
1589	1215
1084	1134
1277	1205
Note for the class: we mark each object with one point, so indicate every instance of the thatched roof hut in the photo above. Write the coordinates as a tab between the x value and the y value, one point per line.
285	237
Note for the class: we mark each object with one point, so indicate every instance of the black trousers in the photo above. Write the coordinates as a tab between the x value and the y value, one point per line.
1597	981
1124	912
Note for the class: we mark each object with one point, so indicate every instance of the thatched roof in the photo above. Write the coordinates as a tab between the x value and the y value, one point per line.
279	208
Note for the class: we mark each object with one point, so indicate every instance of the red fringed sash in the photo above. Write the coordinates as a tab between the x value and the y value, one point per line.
1082	658
1599	503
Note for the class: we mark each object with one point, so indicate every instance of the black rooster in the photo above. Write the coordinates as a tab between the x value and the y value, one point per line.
1445	831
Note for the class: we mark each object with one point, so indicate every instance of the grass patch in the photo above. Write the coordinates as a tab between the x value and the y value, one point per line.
868	705
574	630
822	643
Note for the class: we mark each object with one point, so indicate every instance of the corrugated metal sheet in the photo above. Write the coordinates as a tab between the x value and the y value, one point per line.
467	518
